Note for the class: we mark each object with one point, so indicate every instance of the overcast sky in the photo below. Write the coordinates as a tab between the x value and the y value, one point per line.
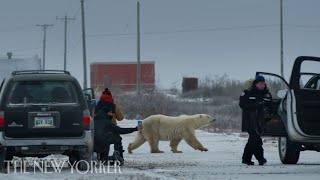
184	37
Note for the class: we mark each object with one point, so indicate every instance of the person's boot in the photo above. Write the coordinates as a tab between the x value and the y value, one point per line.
118	157
248	162
262	162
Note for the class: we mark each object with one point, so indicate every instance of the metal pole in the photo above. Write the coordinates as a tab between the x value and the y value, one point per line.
44	28
65	19
44	48
84	47
281	38
138	48
65	43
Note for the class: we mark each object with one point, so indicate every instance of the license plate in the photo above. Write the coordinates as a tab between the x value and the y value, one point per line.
43	122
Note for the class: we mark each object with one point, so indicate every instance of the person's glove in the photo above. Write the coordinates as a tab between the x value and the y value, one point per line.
139	127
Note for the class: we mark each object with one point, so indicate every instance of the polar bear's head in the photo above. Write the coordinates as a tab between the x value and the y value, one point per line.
201	120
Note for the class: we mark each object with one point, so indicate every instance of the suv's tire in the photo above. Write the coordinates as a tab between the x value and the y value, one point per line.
85	158
2	160
289	151
82	159
73	157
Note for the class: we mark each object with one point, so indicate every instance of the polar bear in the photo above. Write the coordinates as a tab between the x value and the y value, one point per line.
157	128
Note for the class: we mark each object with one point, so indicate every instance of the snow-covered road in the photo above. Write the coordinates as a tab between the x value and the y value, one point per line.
222	161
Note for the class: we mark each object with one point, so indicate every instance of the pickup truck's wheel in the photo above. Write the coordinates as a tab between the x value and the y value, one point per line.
289	151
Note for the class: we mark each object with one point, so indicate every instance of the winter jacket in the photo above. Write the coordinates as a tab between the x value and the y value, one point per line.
252	101
109	113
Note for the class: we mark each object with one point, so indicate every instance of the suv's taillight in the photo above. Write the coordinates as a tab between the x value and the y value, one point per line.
1	118
86	117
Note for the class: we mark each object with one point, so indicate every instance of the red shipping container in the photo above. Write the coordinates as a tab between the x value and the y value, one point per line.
122	75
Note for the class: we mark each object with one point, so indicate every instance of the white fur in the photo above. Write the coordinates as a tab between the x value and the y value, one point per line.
167	128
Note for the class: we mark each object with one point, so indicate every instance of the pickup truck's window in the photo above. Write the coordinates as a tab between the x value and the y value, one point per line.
309	82
40	92
318	84
1	85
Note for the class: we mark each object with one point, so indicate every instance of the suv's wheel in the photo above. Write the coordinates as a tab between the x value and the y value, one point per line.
85	158
2	160
81	159
73	157
289	151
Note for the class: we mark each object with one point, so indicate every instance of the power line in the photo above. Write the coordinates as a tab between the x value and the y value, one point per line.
75	45
14	29
303	26
186	30
28	49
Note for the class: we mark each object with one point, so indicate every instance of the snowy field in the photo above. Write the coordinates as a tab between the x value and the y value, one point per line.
222	161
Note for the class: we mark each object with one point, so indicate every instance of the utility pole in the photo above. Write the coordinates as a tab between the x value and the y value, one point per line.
66	20
281	38
84	47
44	28
138	48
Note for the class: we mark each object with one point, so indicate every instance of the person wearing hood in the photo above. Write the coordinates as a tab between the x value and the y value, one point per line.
106	131
255	102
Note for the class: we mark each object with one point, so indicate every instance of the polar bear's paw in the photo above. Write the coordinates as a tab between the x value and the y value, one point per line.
177	151
156	151
203	149
130	148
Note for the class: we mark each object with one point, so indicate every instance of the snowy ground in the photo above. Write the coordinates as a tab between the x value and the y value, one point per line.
223	161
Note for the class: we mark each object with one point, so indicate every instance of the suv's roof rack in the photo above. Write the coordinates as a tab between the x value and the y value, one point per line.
40	72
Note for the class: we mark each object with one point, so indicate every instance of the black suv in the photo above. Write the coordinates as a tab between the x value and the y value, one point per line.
43	113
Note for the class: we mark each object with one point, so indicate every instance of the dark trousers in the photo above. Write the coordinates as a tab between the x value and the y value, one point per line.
112	138
106	134
253	147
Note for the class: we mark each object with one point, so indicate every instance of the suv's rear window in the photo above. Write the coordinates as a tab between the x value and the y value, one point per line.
40	92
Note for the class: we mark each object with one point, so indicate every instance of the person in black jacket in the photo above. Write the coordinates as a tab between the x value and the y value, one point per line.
255	103
106	132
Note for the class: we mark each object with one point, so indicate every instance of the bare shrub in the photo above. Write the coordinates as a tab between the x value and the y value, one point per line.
216	86
145	105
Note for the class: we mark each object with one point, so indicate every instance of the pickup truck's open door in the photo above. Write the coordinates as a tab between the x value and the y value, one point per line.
304	114
298	111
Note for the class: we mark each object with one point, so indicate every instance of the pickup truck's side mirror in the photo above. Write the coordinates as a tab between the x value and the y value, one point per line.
282	93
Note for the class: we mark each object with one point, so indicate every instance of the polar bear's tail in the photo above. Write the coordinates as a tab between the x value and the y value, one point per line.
138	141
